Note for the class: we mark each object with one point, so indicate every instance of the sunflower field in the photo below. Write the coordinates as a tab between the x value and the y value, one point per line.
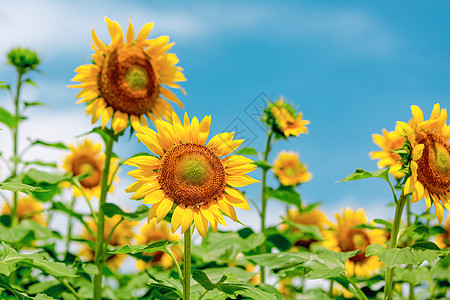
184	233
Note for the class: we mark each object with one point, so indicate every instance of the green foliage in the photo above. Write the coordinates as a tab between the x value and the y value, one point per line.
49	182
362	174
110	210
20	187
163	245
246	151
286	194
7	118
57	145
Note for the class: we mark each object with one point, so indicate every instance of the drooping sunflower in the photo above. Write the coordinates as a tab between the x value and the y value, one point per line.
129	80
283	119
389	141
313	217
122	235
428	159
86	159
289	170
443	240
344	237
27	208
190	173
153	232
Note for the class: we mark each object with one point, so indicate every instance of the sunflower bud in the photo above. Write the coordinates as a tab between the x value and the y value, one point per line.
23	59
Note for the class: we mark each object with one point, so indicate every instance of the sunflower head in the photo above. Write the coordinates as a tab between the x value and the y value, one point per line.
85	160
284	121
289	170
129	79
23	60
153	232
28	208
389	142
443	240
427	158
344	237
189	174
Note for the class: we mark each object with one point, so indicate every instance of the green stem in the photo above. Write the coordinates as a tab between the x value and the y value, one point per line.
330	292
78	185
203	294
15	132
359	293
264	203
187	265
180	274
393	244
69	225
99	248
70	288
409	242
110	234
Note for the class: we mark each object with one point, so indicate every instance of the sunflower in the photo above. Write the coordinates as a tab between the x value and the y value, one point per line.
190	174
443	240
289	170
313	217
283	119
27	208
153	232
129	80
86	159
344	237
388	142
428	158
122	235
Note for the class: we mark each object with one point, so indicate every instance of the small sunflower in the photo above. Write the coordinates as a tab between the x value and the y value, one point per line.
153	232
86	159
283	119
388	142
443	240
344	237
289	170
190	174
129	80
312	217
27	208
428	158
122	235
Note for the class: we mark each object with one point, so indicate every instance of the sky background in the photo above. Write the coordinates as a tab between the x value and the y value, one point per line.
352	68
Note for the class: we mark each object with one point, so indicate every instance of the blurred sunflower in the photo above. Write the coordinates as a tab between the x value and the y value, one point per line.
190	174
27	208
153	232
428	158
443	240
122	235
86	159
344	237
389	141
283	119
289	170
313	217
127	80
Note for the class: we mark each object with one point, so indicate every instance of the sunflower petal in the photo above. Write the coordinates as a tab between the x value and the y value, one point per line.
187	219
148	189
155	195
120	121
237	202
144	161
130	34
176	218
438	208
200	223
164	207
227	209
150	142
143	34
240	180
417	114
417	151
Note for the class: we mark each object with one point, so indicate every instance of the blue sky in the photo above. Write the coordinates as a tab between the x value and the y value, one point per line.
352	68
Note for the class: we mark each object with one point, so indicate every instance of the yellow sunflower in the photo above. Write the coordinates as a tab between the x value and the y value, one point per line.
429	160
283	119
443	240
153	232
290	170
344	237
122	235
128	79
86	159
312	217
190	174
389	141
27	208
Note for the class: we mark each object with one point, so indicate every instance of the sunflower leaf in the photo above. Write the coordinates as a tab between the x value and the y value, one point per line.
20	187
310	230
32	103
58	145
111	210
286	194
163	245
7	118
4	284
246	151
263	165
362	174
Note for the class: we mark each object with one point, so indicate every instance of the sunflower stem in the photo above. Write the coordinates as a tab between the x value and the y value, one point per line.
177	265
264	204
409	241
78	185
393	244
69	225
99	248
187	265
359	293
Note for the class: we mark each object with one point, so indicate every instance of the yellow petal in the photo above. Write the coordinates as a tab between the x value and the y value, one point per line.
240	180
227	210
239	203
151	143
187	219
144	161
164	207
235	161
120	121
419	191
408	186
435	112
169	95
115	32
135	123
219	139
417	151
200	223
152	211
107	114
130	33
438	208
143	34
154	196
427	199
145	190
176	218
134	186
417	114
405	129
203	130
194	130
100	45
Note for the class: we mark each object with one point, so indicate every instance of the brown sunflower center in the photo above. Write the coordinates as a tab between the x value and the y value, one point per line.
86	165
128	81
354	239
434	164
192	175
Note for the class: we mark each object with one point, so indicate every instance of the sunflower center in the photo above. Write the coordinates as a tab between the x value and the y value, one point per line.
290	171
128	81
192	175
86	165
354	239
434	164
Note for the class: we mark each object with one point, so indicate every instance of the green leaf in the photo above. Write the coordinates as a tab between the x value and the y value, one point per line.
43	297
279	241
202	278
215	274
58	145
286	194
45	177
90	268
32	103
383	222
7	118
166	282
30	82
263	165
247	151
414	276
111	210
163	245
310	230
41	163
4	283
362	174
20	187
13	235
42	286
